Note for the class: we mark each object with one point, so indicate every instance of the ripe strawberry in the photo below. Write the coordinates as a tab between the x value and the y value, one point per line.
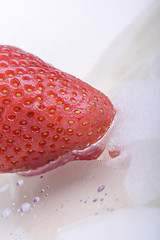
46	113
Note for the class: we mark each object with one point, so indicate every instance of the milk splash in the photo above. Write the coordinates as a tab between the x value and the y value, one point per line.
136	135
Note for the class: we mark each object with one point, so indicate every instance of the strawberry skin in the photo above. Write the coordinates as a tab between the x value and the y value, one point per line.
45	113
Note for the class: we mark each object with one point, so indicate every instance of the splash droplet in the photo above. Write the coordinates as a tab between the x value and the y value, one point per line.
95	199
6	213
36	199
25	207
20	182
101	188
4	187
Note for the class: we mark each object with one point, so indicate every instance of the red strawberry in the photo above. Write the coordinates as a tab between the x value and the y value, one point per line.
46	113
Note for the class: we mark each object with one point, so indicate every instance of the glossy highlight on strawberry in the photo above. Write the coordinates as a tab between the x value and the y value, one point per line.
45	113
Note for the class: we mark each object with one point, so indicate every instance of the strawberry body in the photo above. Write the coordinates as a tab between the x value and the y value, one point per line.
45	113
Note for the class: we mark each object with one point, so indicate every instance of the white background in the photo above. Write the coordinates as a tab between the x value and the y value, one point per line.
70	34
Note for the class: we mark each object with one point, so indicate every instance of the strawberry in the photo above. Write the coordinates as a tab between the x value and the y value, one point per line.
46	113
